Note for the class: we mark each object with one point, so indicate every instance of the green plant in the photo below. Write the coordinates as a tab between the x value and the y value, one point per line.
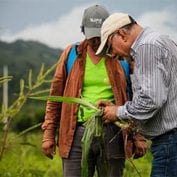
5	79
7	114
94	129
24	158
31	114
27	159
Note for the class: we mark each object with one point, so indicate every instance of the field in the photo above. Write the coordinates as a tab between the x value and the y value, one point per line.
23	158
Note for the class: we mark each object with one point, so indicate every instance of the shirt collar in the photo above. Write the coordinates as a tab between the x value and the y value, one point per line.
137	41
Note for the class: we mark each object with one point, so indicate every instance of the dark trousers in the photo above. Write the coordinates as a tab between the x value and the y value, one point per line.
164	151
113	149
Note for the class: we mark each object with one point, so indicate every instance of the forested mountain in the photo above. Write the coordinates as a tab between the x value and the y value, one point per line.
21	56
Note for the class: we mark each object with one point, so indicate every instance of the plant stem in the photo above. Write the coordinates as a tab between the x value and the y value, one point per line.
4	141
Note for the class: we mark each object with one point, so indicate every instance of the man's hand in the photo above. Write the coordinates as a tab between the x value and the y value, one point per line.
104	103
48	148
109	110
109	114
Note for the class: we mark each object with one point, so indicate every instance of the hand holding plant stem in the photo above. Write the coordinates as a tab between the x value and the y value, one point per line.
93	128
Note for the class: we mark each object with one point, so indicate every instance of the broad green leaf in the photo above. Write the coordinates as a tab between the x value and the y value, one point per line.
94	131
67	100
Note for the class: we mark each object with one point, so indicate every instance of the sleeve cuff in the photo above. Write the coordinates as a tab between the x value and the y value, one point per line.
121	112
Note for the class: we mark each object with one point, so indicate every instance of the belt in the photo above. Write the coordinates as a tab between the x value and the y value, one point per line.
172	131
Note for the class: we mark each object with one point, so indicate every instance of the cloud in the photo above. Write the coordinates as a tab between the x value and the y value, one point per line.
57	34
66	29
162	21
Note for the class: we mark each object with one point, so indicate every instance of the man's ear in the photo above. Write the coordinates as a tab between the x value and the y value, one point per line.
124	34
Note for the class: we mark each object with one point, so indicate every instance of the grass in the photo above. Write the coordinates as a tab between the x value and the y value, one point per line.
143	165
23	158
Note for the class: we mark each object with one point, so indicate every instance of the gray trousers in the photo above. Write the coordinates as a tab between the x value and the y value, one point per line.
114	153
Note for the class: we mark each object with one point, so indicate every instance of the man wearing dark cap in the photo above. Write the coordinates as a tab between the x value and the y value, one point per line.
89	78
154	83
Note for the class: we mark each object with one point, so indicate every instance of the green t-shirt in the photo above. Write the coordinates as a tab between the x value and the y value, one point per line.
96	86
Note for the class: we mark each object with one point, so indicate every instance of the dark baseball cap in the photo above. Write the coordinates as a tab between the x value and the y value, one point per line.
93	19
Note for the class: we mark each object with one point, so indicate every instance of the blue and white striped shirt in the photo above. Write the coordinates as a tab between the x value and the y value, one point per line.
154	84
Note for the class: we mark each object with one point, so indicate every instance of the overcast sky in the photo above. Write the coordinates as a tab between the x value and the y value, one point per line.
57	22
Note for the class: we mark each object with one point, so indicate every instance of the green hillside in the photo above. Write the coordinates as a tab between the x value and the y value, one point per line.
20	57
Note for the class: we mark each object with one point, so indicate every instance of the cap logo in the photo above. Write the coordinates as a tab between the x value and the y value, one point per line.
96	20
